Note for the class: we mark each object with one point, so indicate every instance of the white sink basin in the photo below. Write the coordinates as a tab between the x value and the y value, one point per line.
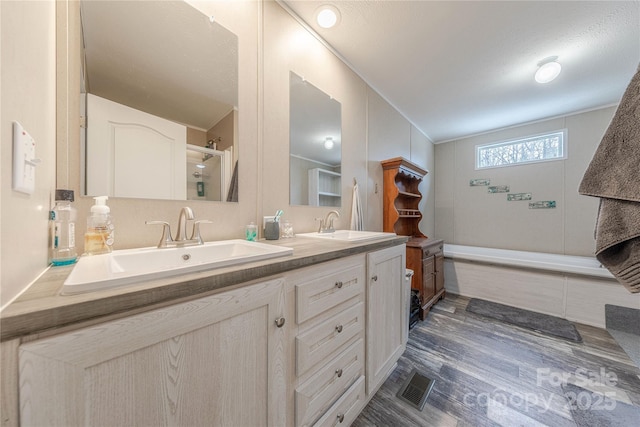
133	265
349	235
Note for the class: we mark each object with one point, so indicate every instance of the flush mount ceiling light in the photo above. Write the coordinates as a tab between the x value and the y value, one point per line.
327	16
548	69
328	143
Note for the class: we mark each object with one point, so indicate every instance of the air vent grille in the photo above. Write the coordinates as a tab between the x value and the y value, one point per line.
415	390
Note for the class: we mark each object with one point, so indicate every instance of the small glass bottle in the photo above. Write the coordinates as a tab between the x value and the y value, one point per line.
63	219
251	232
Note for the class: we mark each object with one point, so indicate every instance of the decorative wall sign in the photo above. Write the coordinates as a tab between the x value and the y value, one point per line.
548	204
479	182
498	189
514	197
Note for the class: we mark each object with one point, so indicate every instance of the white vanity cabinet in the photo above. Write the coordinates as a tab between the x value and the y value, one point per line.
352	318
216	361
387	313
308	347
329	342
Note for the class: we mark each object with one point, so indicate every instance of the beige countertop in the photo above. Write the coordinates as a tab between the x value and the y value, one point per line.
41	308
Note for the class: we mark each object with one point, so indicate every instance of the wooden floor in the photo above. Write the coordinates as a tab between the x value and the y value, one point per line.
489	373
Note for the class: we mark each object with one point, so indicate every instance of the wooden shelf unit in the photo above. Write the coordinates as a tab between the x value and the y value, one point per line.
401	214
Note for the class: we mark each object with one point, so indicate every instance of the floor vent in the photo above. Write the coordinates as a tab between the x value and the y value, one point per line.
415	390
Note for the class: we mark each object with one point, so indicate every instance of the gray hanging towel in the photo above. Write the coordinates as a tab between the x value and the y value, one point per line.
614	176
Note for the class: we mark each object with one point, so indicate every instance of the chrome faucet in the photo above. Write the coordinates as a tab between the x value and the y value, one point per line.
186	214
167	241
326	224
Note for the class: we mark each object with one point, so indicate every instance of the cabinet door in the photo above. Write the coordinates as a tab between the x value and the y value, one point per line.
428	280
387	312
439	272
215	361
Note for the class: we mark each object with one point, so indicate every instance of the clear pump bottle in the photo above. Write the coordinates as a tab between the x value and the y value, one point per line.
63	219
99	236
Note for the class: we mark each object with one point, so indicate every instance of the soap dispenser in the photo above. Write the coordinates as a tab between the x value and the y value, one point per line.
99	236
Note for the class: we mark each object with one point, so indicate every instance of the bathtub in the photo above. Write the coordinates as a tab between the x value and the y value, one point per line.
576	288
570	264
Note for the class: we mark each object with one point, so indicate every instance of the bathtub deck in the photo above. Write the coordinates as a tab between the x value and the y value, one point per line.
485	371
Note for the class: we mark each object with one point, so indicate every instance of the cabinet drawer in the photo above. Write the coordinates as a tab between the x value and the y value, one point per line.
317	394
319	342
321	294
347	408
431	250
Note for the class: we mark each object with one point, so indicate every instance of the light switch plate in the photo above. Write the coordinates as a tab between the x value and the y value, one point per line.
24	160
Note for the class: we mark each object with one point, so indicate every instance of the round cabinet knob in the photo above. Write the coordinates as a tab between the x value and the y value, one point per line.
339	328
339	372
375	278
339	285
280	322
340	418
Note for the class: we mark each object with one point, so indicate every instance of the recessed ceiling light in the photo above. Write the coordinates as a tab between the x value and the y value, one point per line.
328	143
327	16
548	70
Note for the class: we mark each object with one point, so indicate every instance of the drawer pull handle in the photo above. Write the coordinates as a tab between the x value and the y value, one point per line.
340	418
339	285
280	322
375	278
339	328
339	372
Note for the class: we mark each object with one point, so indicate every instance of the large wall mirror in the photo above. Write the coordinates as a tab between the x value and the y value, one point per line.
315	145
160	94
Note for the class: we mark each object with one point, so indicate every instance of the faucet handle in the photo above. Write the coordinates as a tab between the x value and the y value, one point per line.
166	232
195	233
321	226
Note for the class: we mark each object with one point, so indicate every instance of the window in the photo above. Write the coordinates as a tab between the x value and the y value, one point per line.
539	148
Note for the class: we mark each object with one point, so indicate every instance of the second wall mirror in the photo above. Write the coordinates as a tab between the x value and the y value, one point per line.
315	145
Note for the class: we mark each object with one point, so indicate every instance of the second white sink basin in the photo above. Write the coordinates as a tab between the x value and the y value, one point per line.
133	265
349	235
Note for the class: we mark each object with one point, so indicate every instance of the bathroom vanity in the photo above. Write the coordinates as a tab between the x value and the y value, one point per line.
300	340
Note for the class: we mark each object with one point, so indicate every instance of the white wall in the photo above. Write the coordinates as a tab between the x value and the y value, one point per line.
372	130
422	153
271	44
468	215
28	86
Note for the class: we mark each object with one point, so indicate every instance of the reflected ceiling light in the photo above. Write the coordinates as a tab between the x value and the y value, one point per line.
327	16
328	143
200	166
548	69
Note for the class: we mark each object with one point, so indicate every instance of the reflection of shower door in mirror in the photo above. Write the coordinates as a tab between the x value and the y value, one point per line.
132	153
208	173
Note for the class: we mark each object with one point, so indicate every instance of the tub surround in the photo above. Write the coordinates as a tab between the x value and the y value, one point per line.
42	308
571	287
582	265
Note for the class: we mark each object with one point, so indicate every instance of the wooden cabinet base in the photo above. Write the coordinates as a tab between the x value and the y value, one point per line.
425	258
424	310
